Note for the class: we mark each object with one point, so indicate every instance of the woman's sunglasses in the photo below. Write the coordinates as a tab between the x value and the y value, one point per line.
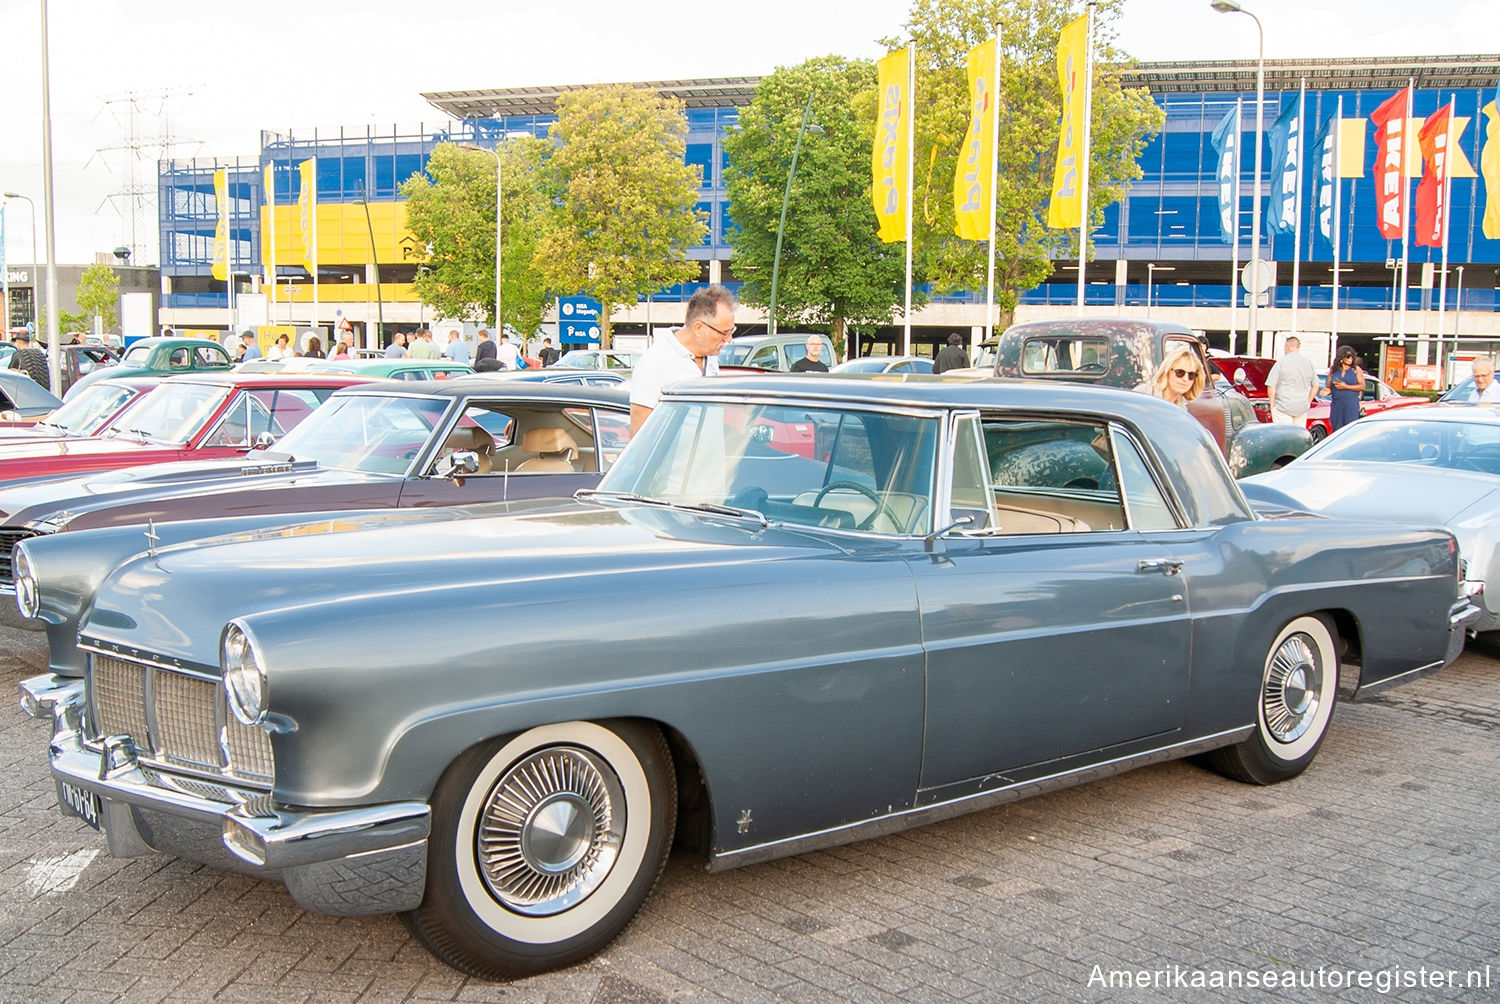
1184	374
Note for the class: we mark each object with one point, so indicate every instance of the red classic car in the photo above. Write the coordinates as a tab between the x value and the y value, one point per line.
1248	375
89	412
1378	396
192	417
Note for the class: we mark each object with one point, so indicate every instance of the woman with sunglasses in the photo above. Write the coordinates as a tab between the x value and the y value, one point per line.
1179	378
1346	382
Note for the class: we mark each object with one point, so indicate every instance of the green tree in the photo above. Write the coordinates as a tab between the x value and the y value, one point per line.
98	296
453	215
834	269
1124	120
622	216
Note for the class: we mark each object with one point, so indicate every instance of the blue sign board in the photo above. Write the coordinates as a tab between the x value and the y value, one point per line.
577	320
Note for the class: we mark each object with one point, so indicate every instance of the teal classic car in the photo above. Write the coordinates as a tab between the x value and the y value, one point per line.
795	613
167	356
1124	352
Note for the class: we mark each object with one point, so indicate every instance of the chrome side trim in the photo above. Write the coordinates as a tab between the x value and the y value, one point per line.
922	815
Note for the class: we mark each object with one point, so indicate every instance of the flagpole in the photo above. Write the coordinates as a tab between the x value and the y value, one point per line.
229	256
1088	114
1334	224
1234	259
1405	207
1297	209
911	142
270	176
1447	195
314	204
994	173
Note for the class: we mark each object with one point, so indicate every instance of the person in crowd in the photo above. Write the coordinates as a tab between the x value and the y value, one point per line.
485	349
690	351
342	351
30	360
811	363
1292	386
1346	382
314	348
1485	391
281	348
951	356
397	348
508	354
249	347
1179	378
422	347
548	355
457	349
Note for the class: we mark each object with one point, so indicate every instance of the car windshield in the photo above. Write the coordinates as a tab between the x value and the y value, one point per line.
90	407
735	353
1462	392
1460	446
869	364
372	434
841	468
137	355
171	413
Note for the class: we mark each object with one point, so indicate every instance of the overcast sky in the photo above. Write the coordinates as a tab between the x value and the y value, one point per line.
234	69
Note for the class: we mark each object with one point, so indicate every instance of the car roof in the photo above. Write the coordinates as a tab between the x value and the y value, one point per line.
174	340
484	384
1445	412
233	378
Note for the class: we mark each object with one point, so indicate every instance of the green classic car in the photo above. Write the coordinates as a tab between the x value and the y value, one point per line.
1124	352
167	356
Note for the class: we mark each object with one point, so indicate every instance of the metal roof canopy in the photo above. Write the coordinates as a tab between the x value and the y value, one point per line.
1235	76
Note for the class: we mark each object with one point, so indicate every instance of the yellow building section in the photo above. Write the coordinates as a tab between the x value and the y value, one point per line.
343	240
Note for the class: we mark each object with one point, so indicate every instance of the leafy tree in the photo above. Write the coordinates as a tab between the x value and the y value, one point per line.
453	215
98	296
834	269
1030	111
623	214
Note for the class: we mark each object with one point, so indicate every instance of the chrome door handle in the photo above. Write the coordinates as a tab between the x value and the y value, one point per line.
1166	566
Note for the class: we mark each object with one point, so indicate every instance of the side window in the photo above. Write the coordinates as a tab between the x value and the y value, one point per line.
764	358
614	433
245	419
288	407
206	357
179	359
1147	507
1051	477
971	475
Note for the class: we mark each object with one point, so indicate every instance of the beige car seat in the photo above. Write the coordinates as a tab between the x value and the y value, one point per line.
555	451
474	439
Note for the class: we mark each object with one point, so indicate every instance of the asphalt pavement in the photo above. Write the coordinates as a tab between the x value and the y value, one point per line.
1375	876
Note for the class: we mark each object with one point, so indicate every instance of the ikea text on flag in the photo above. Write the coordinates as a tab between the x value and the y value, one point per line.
1065	211
221	229
1432	208
1286	160
1226	140
1489	169
1389	170
307	212
888	160
974	179
1328	174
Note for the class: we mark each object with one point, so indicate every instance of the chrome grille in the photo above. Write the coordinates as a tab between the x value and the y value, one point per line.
8	539
176	719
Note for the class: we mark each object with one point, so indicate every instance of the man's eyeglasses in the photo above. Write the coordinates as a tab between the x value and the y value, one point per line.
1184	374
720	331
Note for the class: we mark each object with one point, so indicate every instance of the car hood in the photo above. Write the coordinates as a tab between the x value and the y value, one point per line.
421	569
42	499
1385	492
76	446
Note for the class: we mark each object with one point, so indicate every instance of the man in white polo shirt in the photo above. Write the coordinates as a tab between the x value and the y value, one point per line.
1292	385
690	351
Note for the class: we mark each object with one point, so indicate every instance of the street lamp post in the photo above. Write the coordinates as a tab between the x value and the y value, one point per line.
786	199
36	286
1151	269
1231	7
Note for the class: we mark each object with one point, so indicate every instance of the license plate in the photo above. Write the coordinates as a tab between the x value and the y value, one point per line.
79	802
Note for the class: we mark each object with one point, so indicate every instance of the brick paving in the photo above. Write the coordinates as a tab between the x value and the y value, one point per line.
1385	854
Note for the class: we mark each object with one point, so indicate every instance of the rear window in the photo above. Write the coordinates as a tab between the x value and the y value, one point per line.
1064	353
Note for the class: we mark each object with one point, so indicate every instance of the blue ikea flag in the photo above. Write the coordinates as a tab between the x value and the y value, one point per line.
1226	140
1323	149
1286	163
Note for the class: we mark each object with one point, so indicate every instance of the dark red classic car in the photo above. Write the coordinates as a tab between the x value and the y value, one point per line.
201	416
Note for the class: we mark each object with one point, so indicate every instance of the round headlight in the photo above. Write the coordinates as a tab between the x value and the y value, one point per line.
244	676
28	597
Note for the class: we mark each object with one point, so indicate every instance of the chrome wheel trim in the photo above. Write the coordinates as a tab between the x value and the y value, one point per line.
1298	688
578	919
550	831
1289	700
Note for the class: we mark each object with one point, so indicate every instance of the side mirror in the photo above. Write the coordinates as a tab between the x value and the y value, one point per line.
762	433
458	464
1240	376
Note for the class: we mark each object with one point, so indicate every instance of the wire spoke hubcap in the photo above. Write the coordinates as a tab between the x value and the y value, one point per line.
1292	693
550	830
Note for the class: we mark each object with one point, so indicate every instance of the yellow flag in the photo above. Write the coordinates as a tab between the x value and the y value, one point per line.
1066	208
307	212
1489	169
974	178
889	161
221	229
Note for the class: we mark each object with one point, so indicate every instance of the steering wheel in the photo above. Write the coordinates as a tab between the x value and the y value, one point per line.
858	489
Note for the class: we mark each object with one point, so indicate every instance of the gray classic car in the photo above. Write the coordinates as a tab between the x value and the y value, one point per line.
794	614
1124	352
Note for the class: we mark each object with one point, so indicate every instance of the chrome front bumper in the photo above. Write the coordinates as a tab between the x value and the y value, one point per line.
344	862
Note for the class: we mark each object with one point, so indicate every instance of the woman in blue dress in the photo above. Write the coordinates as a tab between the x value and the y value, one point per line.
1346	382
